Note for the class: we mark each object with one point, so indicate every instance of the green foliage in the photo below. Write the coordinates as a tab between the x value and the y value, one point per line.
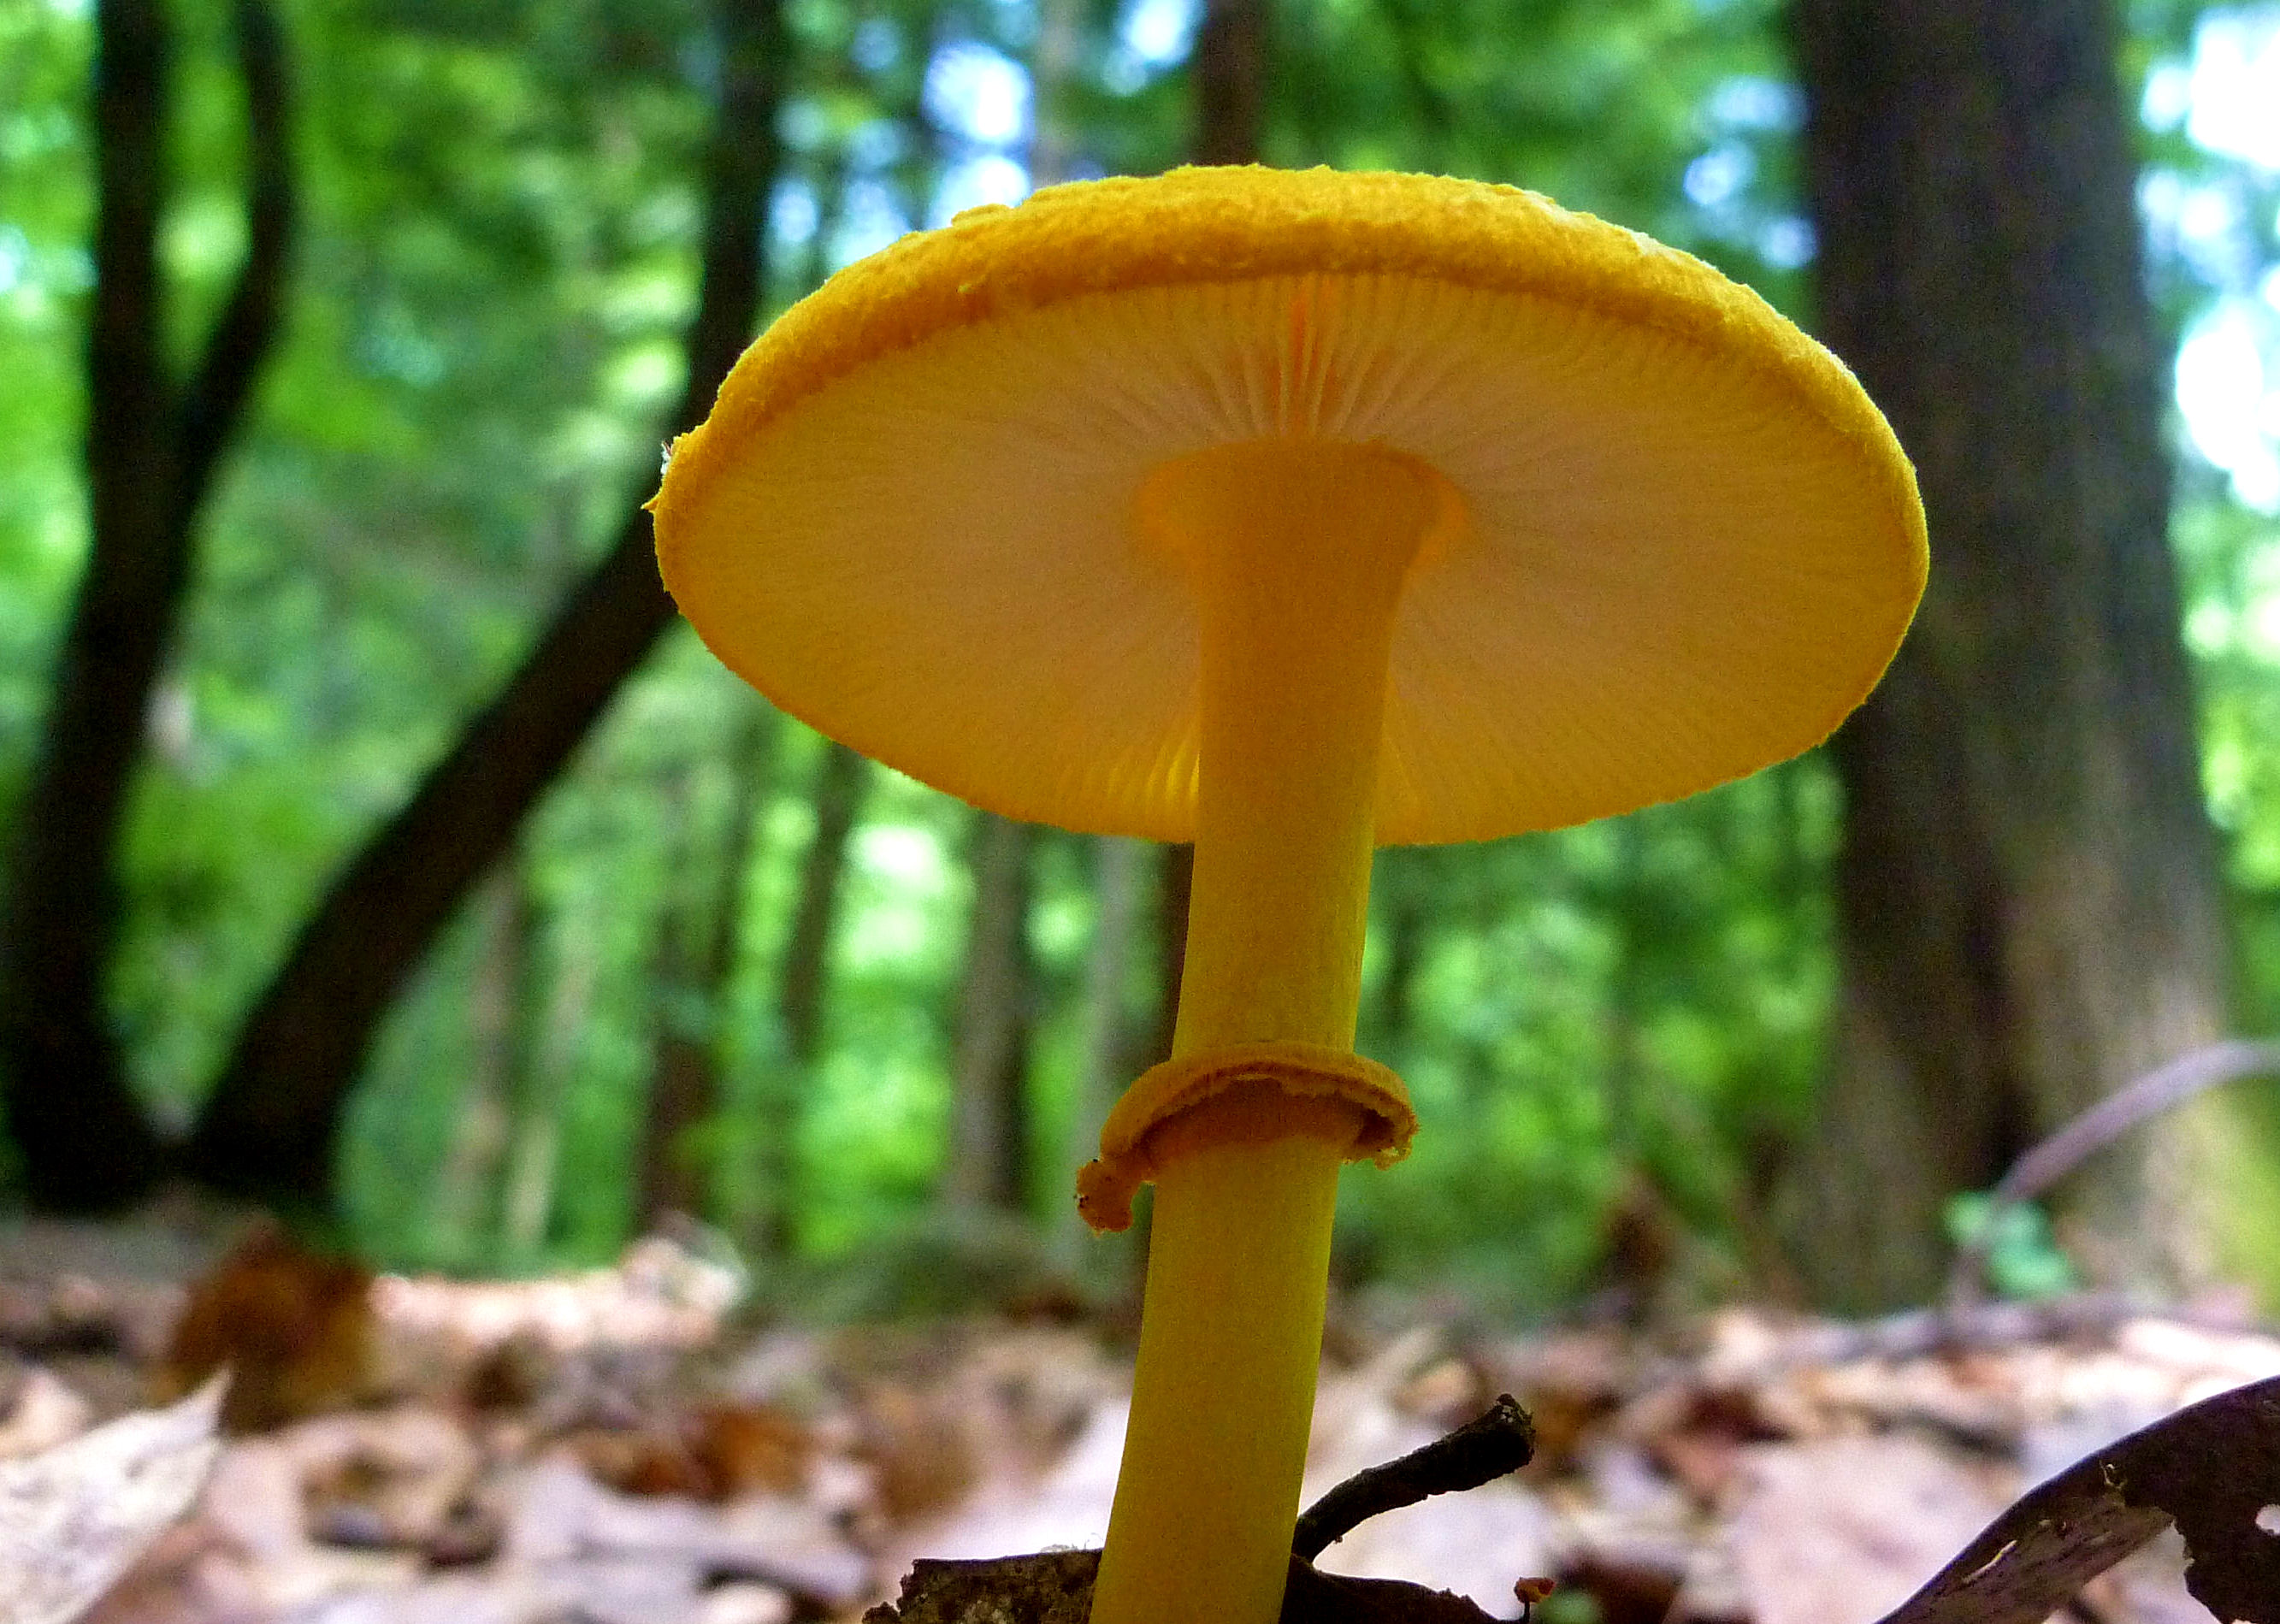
2022	1256
46	211
1644	993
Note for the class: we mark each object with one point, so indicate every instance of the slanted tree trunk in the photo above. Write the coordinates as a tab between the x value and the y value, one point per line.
270	1125
153	446
989	1128
2027	903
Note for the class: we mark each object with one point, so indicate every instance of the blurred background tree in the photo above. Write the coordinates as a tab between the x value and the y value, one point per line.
2028	906
457	895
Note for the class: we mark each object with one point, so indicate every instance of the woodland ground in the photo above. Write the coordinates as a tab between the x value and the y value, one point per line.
631	1446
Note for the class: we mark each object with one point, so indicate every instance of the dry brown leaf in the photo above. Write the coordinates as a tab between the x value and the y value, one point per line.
294	1328
73	1518
2213	1469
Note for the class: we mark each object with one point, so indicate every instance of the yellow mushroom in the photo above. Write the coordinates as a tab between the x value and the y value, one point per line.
1290	513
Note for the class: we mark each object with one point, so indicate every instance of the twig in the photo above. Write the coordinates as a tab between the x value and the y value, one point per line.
2093	1130
1480	1452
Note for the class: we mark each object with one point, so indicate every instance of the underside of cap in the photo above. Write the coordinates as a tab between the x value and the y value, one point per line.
1686	544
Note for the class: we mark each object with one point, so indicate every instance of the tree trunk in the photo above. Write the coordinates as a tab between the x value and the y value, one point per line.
2027	903
1628	900
989	1133
802	979
468	1194
683	1092
534	1143
152	448
1104	1051
696	954
1053	59
1231	58
269	1127
1401	886
681	1081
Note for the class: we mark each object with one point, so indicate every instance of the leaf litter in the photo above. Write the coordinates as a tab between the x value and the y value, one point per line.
622	1446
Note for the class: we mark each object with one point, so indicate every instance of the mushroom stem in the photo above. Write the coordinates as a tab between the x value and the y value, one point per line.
1298	551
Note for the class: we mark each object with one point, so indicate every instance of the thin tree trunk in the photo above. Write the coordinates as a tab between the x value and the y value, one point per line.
151	451
1625	1009
2027	903
989	1160
681	1083
1403	887
468	1194
1104	1052
1232	55
803	981
534	1154
1052	65
1175	879
696	954
271	1122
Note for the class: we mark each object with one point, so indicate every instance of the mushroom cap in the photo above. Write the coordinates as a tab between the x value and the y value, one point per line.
1683	543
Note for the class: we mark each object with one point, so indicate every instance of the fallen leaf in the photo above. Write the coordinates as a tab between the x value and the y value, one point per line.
47	1412
1836	1530
75	1517
294	1328
2211	1469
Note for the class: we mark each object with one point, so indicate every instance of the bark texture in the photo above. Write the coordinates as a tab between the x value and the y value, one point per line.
153	446
270	1126
2028	909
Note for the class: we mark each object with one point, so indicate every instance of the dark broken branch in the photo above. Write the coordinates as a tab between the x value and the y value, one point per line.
1055	1587
1480	1452
2211	1469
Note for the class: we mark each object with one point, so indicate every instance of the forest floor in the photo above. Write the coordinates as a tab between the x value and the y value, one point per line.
620	1447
